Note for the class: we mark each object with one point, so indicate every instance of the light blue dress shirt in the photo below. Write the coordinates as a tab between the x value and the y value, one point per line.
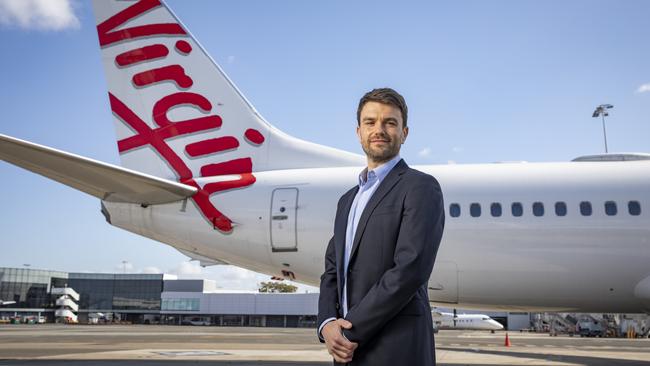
369	180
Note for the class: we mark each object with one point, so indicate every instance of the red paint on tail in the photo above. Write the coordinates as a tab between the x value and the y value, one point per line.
148	53
175	73
107	36
211	146
155	138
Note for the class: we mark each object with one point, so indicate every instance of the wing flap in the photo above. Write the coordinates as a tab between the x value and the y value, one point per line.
104	181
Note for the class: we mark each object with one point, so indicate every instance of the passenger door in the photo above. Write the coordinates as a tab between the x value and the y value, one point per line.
284	204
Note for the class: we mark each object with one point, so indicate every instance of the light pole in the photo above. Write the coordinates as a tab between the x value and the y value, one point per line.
601	111
124	264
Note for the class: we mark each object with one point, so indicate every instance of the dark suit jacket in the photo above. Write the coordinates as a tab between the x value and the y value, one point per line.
392	257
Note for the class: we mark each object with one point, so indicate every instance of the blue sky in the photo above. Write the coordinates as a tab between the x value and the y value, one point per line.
485	81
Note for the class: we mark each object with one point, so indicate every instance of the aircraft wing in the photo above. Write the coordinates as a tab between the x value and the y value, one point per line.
104	181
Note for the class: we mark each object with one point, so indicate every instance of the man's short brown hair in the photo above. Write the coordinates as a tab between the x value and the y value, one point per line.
384	96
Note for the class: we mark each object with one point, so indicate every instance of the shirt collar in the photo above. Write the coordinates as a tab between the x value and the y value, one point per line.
379	173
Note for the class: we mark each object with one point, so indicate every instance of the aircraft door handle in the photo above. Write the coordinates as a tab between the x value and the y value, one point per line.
280	217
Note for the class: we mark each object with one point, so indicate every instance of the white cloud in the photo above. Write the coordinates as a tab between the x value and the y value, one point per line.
236	278
644	88
38	14
151	270
187	269
424	152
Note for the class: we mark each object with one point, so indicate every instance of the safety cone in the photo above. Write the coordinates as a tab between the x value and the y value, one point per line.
507	341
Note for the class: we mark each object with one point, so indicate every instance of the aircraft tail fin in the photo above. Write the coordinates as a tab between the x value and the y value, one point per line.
177	114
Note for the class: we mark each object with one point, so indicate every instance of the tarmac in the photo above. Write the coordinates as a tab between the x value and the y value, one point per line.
143	345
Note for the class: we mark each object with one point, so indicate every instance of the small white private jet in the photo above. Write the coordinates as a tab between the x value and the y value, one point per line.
4	303
202	171
443	320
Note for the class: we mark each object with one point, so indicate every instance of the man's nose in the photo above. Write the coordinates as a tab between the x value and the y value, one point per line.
379	128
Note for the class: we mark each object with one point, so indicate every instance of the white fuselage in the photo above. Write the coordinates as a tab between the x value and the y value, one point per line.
574	262
464	321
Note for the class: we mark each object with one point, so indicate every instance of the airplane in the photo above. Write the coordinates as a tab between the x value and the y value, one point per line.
444	320
3	303
202	171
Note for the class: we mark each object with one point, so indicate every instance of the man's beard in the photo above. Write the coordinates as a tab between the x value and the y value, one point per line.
381	155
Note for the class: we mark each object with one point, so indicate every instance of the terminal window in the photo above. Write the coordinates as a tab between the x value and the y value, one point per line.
180	304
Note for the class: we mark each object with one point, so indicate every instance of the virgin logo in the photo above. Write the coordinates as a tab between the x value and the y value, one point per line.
156	137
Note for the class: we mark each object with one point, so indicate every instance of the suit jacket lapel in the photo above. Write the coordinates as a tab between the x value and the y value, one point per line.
386	185
339	236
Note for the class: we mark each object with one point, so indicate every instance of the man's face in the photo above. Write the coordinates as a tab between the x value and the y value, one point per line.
381	132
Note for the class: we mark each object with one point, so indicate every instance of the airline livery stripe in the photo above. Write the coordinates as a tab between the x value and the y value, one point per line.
106	37
174	73
237	166
211	146
142	54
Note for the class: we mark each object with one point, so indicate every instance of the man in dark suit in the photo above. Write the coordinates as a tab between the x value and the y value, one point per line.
373	307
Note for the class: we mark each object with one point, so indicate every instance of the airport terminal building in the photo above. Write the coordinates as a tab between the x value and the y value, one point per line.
150	299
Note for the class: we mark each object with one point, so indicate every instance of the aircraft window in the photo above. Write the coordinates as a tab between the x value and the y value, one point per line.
634	208
475	210
517	209
585	208
495	209
610	208
538	209
560	208
454	210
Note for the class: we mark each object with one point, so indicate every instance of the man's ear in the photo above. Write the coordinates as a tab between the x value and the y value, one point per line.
358	135
406	133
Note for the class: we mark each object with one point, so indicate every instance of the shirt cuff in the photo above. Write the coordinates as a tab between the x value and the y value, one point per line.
320	328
